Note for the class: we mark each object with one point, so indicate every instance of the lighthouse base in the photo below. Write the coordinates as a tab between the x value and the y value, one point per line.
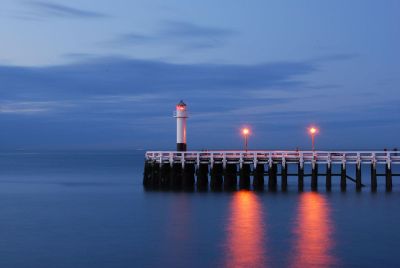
181	147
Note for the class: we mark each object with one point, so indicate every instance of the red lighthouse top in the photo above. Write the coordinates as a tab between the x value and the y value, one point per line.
181	106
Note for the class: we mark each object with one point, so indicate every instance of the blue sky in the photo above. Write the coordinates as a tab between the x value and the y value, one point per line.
107	74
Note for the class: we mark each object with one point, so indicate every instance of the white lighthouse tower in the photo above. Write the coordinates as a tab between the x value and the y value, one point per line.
181	115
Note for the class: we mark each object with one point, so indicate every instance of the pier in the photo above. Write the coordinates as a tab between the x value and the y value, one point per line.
228	170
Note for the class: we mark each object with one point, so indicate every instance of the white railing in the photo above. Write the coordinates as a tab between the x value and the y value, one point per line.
269	157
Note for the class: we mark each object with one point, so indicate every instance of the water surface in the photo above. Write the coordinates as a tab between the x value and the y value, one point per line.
88	209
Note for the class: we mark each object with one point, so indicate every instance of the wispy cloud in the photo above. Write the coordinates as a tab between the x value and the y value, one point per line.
117	96
19	106
123	89
49	9
336	57
119	76
183	34
133	39
29	107
185	29
127	98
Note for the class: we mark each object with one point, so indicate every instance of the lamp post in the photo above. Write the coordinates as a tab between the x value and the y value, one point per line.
246	133
313	131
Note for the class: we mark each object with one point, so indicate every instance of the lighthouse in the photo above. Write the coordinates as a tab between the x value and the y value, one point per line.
181	115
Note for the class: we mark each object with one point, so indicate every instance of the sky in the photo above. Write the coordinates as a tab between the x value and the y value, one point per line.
102	74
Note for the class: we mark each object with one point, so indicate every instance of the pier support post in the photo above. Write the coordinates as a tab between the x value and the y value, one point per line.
230	177
156	172
388	177
358	176
216	177
176	176
258	178
343	176
244	180
202	177
300	170
374	181
272	177
328	183
147	174
314	176
188	176
165	175
284	176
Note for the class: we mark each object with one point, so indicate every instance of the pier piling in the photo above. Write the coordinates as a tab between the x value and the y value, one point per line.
147	174
202	177
343	177
300	170
328	183
216	177
188	176
244	179
284	176
230	177
314	176
374	181
156	175
358	176
258	177
388	177
165	175
176	176
272	176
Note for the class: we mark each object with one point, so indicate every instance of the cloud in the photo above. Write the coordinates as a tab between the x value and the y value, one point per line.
127	98
336	57
190	30
14	108
57	10
125	93
119	76
31	107
133	39
184	34
121	100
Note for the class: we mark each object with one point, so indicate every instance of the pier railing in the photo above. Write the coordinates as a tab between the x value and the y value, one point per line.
271	157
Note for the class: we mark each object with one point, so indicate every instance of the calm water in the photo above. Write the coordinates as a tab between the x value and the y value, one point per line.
88	209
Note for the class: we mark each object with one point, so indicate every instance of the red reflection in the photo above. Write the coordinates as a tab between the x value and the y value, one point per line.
246	235
313	229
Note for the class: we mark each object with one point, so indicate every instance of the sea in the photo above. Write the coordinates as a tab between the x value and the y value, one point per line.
89	209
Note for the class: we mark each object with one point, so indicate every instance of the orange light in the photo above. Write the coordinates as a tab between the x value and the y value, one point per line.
313	130
246	131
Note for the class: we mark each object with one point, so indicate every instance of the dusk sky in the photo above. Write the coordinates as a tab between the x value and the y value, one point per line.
82	74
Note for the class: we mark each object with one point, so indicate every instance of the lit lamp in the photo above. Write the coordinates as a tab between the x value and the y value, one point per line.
313	131
246	133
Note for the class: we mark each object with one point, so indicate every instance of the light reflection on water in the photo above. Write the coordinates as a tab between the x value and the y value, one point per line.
313	229
245	246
